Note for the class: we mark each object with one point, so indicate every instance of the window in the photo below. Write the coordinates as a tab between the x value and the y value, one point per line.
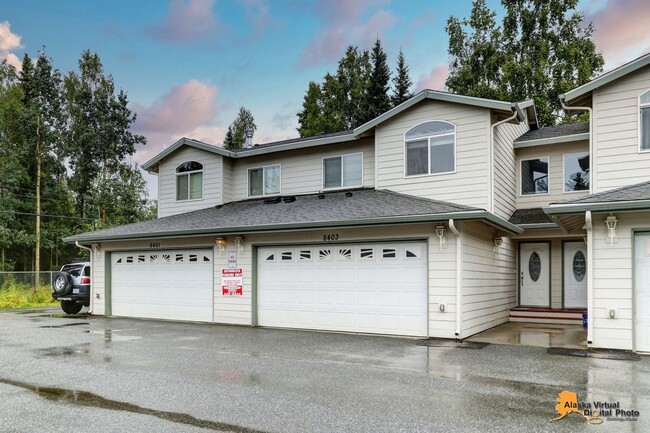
576	172
343	171
534	176
430	148
644	121
264	180
189	181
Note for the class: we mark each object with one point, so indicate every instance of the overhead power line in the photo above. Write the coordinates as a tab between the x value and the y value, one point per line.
47	215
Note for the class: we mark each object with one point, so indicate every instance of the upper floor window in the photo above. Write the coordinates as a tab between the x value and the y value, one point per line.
644	121
534	176
343	171
189	181
430	148
264	180
576	172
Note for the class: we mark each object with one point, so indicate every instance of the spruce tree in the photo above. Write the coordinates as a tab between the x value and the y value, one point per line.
378	98
401	82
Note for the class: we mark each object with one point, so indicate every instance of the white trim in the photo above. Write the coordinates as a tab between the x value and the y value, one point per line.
263	167
640	107
548	177
188	173
428	139
322	165
564	155
552	140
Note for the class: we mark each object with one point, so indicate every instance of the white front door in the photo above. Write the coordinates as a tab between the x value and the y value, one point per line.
534	270
371	287
575	275
642	292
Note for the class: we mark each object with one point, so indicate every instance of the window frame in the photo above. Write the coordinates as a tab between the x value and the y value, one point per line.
428	138
548	177
263	167
642	106
340	187
188	173
564	156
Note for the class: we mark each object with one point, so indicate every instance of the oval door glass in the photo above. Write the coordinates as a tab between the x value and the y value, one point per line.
579	266
534	266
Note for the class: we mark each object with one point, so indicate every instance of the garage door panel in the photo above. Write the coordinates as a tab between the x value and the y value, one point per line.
175	285
357	287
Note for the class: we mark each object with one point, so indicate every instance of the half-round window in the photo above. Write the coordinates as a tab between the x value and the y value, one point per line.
430	148
579	266
534	266
189	181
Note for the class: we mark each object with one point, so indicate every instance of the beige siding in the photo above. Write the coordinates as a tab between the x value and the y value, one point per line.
212	167
556	153
98	273
505	184
226	182
468	185
302	169
616	128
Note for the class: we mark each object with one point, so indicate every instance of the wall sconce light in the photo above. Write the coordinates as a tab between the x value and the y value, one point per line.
239	241
221	243
441	232
498	241
611	227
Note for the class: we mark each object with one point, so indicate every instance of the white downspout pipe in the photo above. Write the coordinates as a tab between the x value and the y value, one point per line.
459	276
590	278
491	159
92	273
592	158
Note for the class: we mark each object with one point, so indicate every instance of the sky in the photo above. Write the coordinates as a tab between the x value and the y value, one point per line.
188	65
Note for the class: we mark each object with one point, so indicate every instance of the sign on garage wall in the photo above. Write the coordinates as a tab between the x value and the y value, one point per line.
232	282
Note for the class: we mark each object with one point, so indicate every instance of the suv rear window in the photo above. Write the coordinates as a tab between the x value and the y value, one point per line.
74	270
87	271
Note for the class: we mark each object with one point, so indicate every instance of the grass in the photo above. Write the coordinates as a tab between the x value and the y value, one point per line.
18	295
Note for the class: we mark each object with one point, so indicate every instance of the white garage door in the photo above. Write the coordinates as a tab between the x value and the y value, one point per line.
642	295
175	285
374	288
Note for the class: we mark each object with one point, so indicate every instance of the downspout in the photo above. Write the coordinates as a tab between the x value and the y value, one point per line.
592	166
459	275
590	278
92	273
491	162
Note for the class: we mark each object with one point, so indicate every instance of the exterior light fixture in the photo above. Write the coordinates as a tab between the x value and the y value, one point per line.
221	243
239	241
498	241
611	227
441	232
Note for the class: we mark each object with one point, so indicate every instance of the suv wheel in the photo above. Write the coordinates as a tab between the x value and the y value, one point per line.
70	307
62	283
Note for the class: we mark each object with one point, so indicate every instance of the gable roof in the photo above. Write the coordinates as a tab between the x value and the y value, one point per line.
361	207
627	198
606	78
554	134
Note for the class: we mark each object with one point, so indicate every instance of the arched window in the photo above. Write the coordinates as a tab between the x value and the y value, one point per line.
189	181
430	148
644	121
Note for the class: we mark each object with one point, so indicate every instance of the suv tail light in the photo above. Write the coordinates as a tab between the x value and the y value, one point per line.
85	280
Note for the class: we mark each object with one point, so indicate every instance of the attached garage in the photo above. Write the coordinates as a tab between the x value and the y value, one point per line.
367	287
174	285
642	292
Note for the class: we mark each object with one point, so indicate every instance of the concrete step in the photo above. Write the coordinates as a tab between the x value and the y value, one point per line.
547	315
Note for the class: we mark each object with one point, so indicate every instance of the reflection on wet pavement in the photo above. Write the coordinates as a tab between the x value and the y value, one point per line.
534	334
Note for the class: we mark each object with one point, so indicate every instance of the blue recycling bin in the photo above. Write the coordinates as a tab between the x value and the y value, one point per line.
584	319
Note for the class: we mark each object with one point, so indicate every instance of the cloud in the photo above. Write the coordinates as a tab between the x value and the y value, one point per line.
621	29
187	110
8	42
187	21
435	80
343	24
258	16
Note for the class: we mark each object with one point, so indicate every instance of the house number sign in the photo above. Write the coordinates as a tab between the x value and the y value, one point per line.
330	237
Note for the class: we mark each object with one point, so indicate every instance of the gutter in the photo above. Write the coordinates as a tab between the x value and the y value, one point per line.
92	273
537	226
459	277
592	157
611	206
478	214
552	140
590	278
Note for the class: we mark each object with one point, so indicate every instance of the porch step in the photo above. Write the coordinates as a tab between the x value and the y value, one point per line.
547	315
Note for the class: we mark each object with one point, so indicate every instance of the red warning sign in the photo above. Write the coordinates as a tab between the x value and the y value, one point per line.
232	282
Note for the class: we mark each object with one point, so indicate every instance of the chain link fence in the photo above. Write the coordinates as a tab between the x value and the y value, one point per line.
26	277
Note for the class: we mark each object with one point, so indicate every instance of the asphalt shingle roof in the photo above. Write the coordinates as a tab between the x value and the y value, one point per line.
555	131
321	209
530	216
294	140
640	191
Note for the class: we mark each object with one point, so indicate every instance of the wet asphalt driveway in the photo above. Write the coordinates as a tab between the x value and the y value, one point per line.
62	374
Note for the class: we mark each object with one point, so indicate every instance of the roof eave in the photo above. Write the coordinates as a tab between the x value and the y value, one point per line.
611	206
552	140
299	145
538	226
149	165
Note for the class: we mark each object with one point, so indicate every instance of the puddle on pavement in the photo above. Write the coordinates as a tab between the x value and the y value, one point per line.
30	311
441	342
64	325
619	355
88	399
110	335
68	316
80	350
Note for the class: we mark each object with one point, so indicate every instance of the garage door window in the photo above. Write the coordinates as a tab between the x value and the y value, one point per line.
366	253
189	181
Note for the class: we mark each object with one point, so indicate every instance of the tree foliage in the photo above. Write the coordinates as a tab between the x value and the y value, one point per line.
402	83
243	126
542	48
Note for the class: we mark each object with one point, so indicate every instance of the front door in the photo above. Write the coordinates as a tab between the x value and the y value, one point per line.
575	275
534	274
642	292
